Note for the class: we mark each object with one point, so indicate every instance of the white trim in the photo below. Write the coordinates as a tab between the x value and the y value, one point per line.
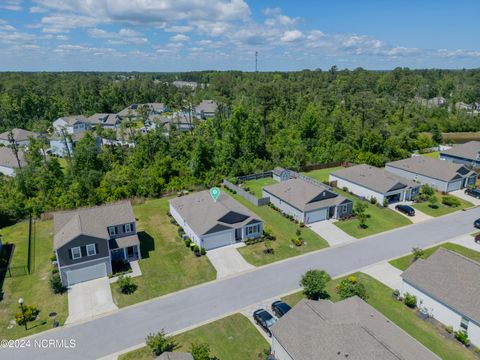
79	250
85	262
130	228
114	232
94	249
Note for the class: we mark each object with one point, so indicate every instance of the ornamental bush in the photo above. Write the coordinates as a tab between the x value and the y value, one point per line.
56	283
451	201
31	313
350	287
160	343
126	285
410	300
462	336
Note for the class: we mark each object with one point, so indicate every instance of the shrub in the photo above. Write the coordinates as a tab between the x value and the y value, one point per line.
160	343
314	283
203	251
126	285
201	351
350	287
188	242
410	300
53	257
462	336
345	189
297	242
56	283
373	200
396	293
31	313
298	232
433	201
451	201
54	269
196	249
302	224
385	202
417	253
192	245
449	329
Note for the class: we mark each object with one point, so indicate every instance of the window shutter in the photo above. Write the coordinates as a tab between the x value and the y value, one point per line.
96	248
70	255
83	251
123	227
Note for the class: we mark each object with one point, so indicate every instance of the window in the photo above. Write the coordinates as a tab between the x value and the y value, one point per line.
464	323
76	253
112	230
127	228
343	208
91	250
252	229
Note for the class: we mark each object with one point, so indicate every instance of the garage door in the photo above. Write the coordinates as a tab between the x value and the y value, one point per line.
87	273
314	216
218	240
457	185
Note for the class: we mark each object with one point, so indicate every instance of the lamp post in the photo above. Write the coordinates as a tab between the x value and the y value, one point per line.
22	308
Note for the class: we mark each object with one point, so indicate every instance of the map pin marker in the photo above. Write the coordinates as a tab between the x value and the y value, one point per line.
215	193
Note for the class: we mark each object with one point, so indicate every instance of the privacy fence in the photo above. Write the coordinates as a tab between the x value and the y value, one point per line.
246	195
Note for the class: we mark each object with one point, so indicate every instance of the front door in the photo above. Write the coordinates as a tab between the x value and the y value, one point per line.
331	212
238	234
130	251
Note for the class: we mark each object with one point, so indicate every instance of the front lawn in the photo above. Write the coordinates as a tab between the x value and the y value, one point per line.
284	230
322	174
404	262
34	288
233	338
257	185
441	209
380	297
166	264
380	219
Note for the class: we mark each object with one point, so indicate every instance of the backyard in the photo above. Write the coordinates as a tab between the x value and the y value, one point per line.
33	288
233	338
322	174
380	297
166	264
257	185
284	230
440	208
433	155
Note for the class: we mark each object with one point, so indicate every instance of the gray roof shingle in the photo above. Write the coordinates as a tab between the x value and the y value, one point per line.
8	159
349	328
72	119
19	135
207	106
469	150
450	278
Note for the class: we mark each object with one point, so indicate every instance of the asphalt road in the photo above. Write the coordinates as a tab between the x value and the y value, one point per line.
128	327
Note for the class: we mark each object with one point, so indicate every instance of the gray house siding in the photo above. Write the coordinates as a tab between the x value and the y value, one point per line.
65	256
64	270
121	230
437	184
346	212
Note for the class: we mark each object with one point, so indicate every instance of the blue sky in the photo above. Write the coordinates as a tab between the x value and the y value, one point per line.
183	35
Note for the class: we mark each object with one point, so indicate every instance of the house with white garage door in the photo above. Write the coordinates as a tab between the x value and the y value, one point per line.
443	175
371	182
307	202
87	240
211	224
447	287
466	154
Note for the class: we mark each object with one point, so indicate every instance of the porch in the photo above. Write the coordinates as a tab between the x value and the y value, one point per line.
125	248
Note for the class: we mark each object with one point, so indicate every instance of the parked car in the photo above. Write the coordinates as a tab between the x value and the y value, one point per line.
407	210
473	192
280	308
477	239
264	319
476	223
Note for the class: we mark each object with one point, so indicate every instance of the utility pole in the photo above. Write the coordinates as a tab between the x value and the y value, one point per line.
256	61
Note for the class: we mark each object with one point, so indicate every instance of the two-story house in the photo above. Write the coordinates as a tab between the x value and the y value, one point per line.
74	124
87	240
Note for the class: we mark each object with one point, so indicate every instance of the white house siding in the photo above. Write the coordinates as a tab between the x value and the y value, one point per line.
458	160
437	184
218	239
7	171
188	230
285	207
455	185
278	350
442	313
58	147
357	189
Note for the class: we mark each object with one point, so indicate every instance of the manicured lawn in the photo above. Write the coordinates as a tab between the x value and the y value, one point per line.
441	209
166	264
34	288
257	185
404	262
284	230
381	219
379	296
233	338
433	155
322	174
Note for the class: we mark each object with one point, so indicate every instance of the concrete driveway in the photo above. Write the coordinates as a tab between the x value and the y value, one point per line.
461	194
419	216
385	273
330	232
227	261
89	299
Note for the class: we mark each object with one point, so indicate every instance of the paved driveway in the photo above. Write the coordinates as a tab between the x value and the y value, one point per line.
227	261
174	312
330	232
419	216
89	299
461	194
385	273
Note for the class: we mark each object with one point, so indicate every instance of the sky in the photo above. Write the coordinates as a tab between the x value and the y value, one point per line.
190	35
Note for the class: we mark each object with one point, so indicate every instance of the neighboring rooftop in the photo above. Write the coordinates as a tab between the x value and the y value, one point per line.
379	180
434	168
303	195
450	278
175	356
93	221
18	135
347	329
103	119
206	216
8	159
207	106
469	150
72	119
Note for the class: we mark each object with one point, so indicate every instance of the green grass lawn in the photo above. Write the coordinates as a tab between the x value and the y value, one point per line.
433	155
232	338
33	288
379	296
166	264
284	230
381	219
322	174
257	185
404	262
441	209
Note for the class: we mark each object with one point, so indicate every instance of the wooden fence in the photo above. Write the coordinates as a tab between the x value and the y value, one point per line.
246	195
255	176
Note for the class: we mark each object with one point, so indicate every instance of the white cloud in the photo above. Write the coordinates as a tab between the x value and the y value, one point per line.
61	23
123	36
37	10
62	37
291	35
12	5
179	38
178	28
6	26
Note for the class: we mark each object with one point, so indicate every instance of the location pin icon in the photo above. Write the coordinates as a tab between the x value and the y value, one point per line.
215	193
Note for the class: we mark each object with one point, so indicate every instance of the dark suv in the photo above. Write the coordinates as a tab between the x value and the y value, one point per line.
473	192
264	319
280	308
408	210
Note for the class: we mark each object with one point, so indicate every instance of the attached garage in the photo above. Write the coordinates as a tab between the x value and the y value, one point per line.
455	185
317	215
219	239
86	273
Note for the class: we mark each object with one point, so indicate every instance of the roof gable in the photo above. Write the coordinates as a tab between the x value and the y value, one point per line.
233	217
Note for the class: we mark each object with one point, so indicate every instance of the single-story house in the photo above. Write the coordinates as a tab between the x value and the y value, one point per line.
132	111
87	240
447	286
280	174
466	154
211	224
107	121
307	202
442	175
74	124
348	329
371	182
206	109
62	147
168	355
9	162
20	136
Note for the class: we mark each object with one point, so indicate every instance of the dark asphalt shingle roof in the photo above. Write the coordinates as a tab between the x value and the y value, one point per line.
469	150
349	328
450	278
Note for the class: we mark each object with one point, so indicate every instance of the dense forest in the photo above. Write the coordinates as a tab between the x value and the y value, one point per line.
265	120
